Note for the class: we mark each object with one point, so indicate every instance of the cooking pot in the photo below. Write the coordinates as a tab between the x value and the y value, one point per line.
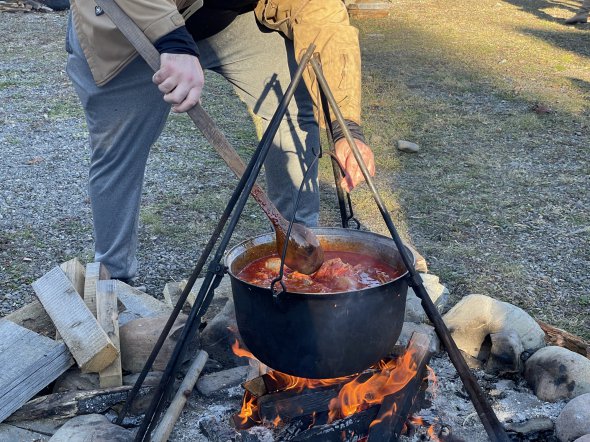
323	335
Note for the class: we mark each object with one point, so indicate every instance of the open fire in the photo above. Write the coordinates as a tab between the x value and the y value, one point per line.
379	396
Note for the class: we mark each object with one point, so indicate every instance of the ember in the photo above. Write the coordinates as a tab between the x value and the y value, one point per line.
341	271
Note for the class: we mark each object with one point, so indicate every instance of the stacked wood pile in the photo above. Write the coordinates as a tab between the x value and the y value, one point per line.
73	334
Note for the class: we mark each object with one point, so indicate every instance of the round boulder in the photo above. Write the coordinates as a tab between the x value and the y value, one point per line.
473	319
574	421
556	373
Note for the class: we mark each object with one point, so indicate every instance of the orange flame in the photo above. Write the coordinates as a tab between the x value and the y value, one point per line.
359	395
248	407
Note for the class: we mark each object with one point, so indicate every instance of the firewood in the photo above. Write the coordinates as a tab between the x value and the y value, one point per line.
95	271
166	425
89	344
29	363
107	314
139	303
74	403
33	317
343	429
396	407
12	433
76	273
561	338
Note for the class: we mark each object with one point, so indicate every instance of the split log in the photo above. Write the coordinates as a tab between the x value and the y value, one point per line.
343	429
561	338
166	425
33	317
74	403
89	344
95	271
107	314
29	362
140	304
76	273
396	407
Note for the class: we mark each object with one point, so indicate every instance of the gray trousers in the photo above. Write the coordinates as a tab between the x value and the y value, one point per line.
126	116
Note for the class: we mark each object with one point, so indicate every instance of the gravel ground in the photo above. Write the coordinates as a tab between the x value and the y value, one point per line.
45	215
507	216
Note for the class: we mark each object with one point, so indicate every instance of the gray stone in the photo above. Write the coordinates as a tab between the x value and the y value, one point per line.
407	146
212	383
473	319
505	353
410	327
438	293
91	428
556	373
584	438
574	420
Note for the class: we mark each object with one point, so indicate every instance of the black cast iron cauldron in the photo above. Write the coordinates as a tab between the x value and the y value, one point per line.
320	335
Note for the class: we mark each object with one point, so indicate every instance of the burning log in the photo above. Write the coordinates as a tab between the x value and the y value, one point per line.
396	407
343	429
333	409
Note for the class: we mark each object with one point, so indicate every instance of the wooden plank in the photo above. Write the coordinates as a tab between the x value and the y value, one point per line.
139	303
562	338
74	403
29	363
33	317
46	426
10	433
108	318
95	271
166	425
75	272
89	344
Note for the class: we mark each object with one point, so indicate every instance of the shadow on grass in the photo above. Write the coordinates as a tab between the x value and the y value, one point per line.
536	8
572	41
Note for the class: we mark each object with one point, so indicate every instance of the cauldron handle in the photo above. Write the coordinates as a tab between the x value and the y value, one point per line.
279	278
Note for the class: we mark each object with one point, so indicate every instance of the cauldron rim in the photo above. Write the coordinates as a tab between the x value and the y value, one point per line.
257	240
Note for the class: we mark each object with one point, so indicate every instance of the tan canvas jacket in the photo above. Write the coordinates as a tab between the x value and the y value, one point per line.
324	22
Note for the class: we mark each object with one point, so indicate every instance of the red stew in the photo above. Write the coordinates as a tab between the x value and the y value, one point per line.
340	272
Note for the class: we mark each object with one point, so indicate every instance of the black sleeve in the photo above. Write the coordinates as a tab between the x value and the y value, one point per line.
178	41
355	131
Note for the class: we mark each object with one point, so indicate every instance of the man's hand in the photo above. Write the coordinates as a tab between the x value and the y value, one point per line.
181	80
353	174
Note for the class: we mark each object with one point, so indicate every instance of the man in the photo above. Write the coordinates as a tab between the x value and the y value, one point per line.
581	16
125	111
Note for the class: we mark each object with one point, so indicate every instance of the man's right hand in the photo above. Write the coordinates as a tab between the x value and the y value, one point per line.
181	80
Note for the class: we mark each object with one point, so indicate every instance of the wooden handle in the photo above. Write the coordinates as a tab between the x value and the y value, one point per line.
202	120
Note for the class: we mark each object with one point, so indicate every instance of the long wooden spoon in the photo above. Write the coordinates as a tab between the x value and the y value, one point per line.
304	252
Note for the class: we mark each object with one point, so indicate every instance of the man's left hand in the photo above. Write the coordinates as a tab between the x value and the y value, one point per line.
353	175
